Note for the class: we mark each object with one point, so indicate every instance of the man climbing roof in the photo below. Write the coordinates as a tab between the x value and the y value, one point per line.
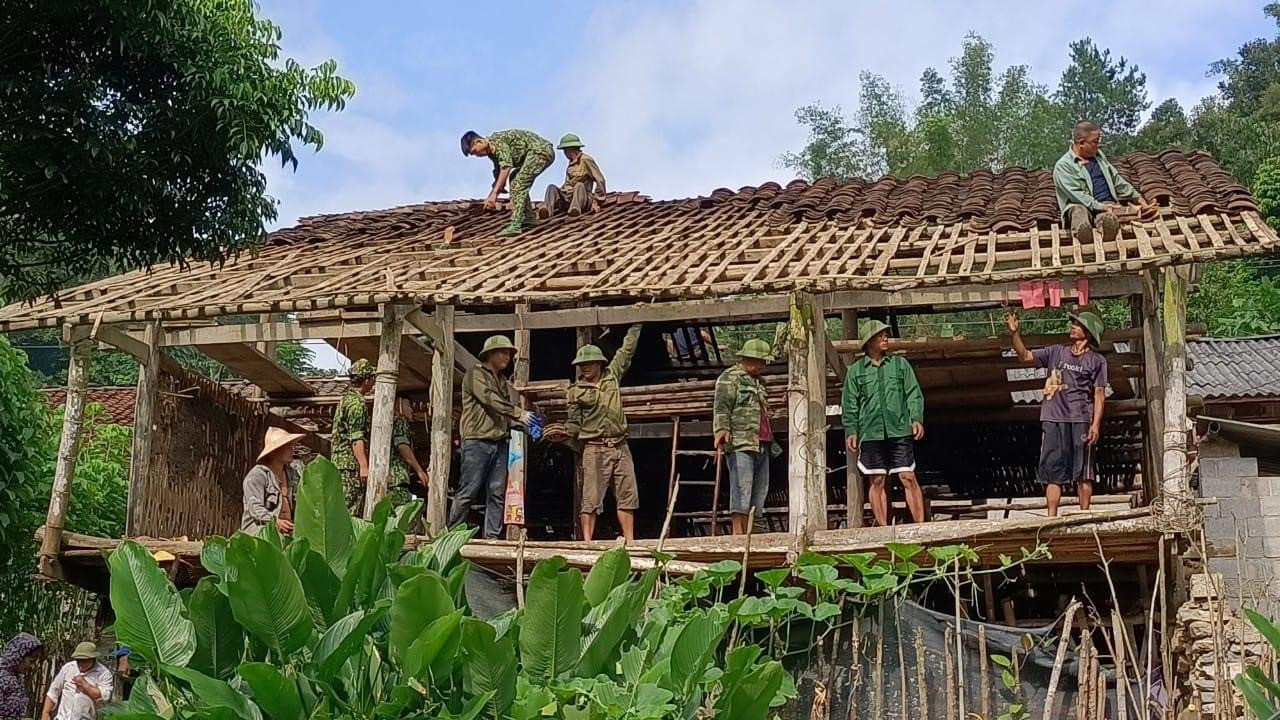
583	187
1089	189
519	156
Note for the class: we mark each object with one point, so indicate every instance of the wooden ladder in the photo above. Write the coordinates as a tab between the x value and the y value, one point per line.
675	482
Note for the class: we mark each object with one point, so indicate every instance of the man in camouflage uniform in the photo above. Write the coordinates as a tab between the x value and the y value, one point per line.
597	427
405	470
583	184
350	435
741	424
519	155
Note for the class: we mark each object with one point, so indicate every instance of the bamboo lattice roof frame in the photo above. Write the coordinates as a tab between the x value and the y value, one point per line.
769	240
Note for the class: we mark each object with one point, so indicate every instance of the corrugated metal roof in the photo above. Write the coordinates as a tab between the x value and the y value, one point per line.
1234	367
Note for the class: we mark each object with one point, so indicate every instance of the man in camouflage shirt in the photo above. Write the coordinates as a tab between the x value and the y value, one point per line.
519	155
597	427
742	431
350	436
405	470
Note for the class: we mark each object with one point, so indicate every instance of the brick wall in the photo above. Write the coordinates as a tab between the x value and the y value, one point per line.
1245	523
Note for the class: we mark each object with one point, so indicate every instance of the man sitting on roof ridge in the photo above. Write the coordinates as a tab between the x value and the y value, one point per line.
1090	191
583	187
522	152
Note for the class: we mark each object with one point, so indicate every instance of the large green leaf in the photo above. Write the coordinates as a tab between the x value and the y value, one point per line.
694	646
213	555
343	638
219	638
446	547
273	691
266	595
551	626
214	693
618	615
363	571
610	571
319	583
751	697
321	516
489	666
148	609
404	515
438	642
419	601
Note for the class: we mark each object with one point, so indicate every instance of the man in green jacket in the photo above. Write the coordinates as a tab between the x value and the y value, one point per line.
1089	189
524	153
487	418
882	410
740	422
597	427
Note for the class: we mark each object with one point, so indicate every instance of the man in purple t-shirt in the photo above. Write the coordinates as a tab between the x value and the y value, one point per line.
1071	414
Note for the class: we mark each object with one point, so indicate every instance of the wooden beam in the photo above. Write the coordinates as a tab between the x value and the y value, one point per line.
441	422
260	369
384	406
806	400
144	413
134	344
518	469
415	360
855	493
65	468
1152	386
1175	467
430	327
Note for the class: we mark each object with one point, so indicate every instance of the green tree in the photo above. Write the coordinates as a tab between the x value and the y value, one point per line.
133	133
1249	79
1166	128
1111	93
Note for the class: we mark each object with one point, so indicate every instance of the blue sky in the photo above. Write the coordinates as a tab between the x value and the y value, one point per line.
674	99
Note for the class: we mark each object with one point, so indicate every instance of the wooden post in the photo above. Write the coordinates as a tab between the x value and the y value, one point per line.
518	471
807	430
584	336
144	413
384	406
854	493
441	422
1176	483
1153	386
68	451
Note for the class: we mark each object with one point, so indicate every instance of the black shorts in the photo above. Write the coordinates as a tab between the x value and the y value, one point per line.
890	456
1065	456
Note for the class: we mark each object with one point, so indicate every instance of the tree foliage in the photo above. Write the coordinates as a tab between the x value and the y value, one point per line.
134	131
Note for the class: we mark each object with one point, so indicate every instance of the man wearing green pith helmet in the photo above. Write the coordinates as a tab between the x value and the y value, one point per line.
583	186
519	156
597	428
350	437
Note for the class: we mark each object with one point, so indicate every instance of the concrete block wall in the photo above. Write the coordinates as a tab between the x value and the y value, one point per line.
1246	518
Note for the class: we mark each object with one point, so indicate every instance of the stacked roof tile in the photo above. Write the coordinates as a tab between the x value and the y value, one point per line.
116	401
1226	368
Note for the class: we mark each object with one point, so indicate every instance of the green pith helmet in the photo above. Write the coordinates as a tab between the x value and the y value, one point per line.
496	342
588	353
870	329
1092	324
85	651
569	140
361	370
754	348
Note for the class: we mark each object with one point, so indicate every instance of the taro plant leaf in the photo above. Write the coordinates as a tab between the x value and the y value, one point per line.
418	602
213	555
266	595
214	693
273	691
610	571
343	638
773	578
149	612
489	665
319	584
438	640
321	516
903	551
219	638
619	613
551	626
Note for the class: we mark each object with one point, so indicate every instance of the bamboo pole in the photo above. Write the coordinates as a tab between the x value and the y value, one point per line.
144	417
854	493
1060	658
922	687
959	638
384	407
518	471
68	452
949	669
1122	665
984	679
441	421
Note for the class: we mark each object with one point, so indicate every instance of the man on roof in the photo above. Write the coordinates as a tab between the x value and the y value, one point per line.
487	418
350	438
583	186
1089	189
519	156
597	428
740	421
882	411
1071	413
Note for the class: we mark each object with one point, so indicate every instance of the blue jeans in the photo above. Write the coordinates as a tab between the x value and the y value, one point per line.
484	465
748	481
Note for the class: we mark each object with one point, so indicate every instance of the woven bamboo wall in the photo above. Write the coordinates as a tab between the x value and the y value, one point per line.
205	440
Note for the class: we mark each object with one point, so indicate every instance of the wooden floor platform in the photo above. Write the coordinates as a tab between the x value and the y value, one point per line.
1125	536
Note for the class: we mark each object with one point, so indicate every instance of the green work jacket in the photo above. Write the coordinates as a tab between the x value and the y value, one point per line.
880	401
1073	186
595	409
